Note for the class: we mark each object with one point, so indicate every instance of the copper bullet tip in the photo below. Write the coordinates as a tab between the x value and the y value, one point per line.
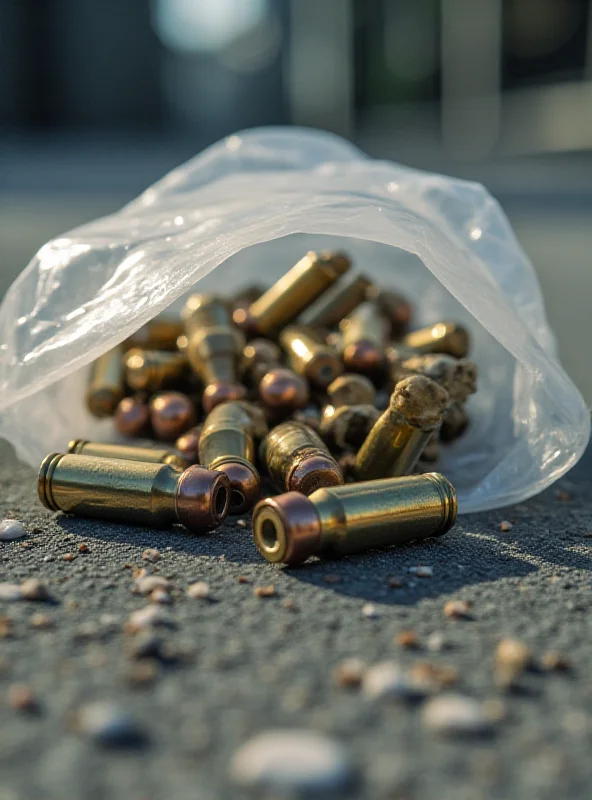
364	357
188	444
203	498
286	529
171	413
244	485
222	392
282	390
132	416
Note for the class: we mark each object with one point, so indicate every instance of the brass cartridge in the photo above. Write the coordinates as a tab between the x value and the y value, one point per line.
227	444
188	444
396	441
394	307
259	356
135	492
457	375
309	356
132	416
338	302
105	388
443	337
346	427
364	335
245	297
171	414
298	460
161	333
213	348
282	391
153	370
127	453
297	289
351	390
340	520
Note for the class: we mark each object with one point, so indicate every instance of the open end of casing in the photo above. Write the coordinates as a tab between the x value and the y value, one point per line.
286	529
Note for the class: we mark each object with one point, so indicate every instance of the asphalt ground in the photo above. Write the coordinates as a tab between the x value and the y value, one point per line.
238	664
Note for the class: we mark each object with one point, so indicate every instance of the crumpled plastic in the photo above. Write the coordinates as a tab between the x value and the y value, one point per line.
245	210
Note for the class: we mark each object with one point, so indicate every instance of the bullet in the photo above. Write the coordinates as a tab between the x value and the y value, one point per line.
297	289
341	520
394	307
396	441
282	391
298	460
188	444
351	390
443	337
171	414
134	492
363	342
337	303
132	416
161	333
346	427
245	297
259	355
227	444
153	370
127	453
309	356
105	388
454	423
457	375
213	349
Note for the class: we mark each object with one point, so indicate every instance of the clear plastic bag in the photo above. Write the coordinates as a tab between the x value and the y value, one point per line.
245	210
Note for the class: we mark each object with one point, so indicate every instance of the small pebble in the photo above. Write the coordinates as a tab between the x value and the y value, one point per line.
152	616
34	589
349	673
407	639
108	725
83	548
435	642
422	571
148	583
457	715
160	595
556	662
457	609
370	611
292	761
200	590
147	645
68	557
264	591
242	523
332	578
505	526
243	579
11	529
433	676
21	697
290	605
395	583
387	680
6	627
142	674
512	657
10	592
151	554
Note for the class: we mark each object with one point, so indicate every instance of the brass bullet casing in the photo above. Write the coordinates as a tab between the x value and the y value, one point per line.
282	391
297	289
347	427
443	337
135	492
171	414
338	302
227	444
245	297
309	356
340	520
153	370
259	356
161	333
396	441
105	388
132	416
394	307
363	342
298	460
351	390
454	424
457	375
213	348
127	453
188	444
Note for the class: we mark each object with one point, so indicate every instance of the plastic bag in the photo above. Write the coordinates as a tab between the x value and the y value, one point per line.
245	210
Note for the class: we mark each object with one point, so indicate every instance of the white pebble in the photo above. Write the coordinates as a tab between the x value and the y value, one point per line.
10	592
199	590
370	611
422	571
152	616
108	725
456	715
149	583
387	679
295	760
11	529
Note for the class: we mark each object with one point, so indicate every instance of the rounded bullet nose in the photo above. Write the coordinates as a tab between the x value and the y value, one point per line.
363	357
244	486
323	368
188	445
283	390
103	402
171	413
244	321
314	473
222	392
132	416
286	529
203	498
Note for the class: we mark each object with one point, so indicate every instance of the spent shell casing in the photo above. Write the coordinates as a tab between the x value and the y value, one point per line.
153	370
105	387
364	337
188	444
258	356
454	423
443	337
171	414
351	390
298	460
127	453
134	492
213	348
296	290
347	427
227	444
132	416
282	391
247	296
161	333
340	520
339	301
396	441
457	375
394	307
309	356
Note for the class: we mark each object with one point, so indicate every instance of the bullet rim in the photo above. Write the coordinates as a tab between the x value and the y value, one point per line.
314	471
449	498
245	483
202	498
286	528
323	368
44	477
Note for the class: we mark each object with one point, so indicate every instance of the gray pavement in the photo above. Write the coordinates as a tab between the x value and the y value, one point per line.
245	664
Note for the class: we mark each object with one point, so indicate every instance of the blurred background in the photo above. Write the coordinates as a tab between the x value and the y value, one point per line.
99	98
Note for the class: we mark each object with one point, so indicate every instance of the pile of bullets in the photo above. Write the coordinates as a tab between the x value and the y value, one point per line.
317	384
